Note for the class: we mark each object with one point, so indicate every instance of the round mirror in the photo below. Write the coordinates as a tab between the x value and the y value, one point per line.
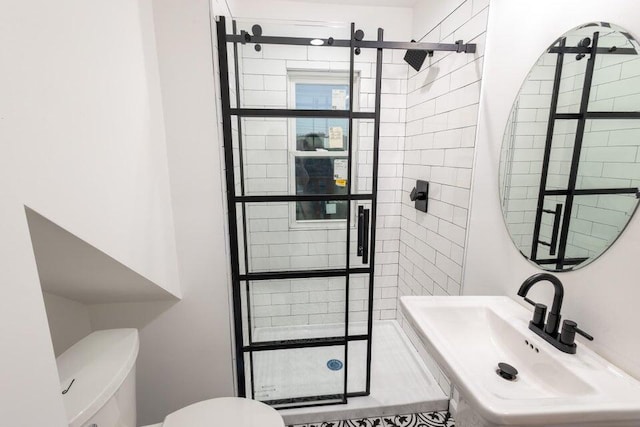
570	159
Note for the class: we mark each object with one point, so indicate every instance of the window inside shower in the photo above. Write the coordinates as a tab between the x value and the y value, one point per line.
318	146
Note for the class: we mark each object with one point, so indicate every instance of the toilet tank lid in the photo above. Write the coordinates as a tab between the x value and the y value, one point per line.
98	365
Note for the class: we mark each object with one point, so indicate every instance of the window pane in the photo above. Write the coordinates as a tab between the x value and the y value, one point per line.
321	133
319	96
314	134
321	175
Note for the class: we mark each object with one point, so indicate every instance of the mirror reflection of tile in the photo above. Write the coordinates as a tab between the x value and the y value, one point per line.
592	174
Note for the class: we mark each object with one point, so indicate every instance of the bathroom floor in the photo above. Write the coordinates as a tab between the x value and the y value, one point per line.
426	419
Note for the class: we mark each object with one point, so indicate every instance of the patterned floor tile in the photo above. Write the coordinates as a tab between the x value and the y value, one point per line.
427	419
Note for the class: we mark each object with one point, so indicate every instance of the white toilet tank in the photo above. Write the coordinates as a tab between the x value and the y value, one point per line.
98	379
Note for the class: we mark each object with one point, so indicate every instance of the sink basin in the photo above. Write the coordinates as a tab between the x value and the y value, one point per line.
469	336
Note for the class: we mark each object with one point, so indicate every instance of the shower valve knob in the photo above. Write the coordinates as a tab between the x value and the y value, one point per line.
417	195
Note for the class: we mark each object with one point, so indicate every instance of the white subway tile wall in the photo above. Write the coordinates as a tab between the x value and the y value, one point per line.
441	118
608	158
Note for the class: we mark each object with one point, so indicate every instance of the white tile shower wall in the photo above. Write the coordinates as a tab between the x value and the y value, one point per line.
442	109
275	241
610	149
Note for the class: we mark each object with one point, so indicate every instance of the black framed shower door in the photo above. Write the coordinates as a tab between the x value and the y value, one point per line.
298	365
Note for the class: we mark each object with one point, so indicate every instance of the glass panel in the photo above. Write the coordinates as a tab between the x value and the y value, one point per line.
289	309
298	373
246	336
610	154
280	158
265	156
358	304
315	92
564	137
521	163
276	240
390	159
357	376
596	221
573	72
233	99
317	175
240	224
264	72
616	78
238	178
321	134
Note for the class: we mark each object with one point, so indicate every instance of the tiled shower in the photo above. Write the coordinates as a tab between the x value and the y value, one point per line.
427	131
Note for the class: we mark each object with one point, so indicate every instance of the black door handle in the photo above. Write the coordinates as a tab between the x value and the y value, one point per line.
363	234
556	228
360	230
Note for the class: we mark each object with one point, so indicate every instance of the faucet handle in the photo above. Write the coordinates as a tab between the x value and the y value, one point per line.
584	334
569	330
539	313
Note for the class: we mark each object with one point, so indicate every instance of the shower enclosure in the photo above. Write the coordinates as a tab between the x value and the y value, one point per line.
301	127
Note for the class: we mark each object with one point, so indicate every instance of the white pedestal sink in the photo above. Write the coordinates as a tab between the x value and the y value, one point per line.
469	336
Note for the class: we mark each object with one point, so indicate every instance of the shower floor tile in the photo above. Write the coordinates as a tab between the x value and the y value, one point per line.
427	419
400	384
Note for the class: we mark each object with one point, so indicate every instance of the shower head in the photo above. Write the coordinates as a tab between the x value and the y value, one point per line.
416	58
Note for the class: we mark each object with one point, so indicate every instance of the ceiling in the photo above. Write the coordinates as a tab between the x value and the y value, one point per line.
388	3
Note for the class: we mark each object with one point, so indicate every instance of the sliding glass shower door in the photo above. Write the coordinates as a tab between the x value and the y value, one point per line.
301	159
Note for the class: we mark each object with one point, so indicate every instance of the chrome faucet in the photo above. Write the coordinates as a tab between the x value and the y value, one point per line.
563	341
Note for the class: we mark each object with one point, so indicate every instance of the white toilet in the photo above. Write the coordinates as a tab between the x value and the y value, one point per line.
97	380
224	411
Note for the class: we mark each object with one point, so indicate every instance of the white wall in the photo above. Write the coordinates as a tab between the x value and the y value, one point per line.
426	15
601	297
83	119
82	142
68	321
185	348
396	21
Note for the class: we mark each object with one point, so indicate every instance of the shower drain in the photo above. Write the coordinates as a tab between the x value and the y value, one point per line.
334	364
